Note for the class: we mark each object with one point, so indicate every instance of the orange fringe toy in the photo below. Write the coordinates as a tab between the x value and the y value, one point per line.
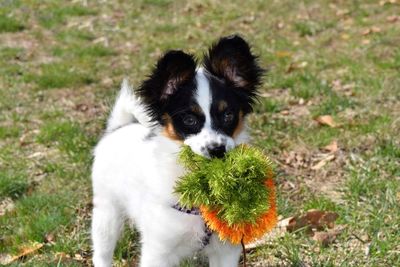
244	232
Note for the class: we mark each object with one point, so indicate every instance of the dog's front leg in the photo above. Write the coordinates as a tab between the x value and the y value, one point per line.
106	227
222	254
156	256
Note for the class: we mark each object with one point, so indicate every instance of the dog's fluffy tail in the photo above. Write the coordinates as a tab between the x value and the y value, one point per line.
127	109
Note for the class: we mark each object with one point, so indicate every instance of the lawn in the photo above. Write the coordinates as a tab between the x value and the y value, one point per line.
328	117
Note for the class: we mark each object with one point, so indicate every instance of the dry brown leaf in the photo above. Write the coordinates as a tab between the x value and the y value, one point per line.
366	31
332	147
313	219
62	255
282	54
384	2
49	238
25	251
296	66
326	120
78	257
281	25
345	36
326	238
323	162
365	41
375	29
285	222
393	18
342	12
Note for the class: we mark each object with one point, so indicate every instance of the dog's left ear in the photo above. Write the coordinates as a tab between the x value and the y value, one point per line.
174	72
231	60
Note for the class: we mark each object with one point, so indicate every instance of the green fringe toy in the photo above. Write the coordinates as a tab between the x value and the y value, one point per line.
235	194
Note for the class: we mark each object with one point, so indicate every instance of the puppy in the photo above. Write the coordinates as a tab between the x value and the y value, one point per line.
135	165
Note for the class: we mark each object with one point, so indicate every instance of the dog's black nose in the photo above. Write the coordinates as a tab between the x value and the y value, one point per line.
217	152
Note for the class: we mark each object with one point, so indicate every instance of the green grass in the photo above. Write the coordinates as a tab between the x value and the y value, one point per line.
94	51
54	15
13	185
52	210
68	137
60	75
60	66
8	24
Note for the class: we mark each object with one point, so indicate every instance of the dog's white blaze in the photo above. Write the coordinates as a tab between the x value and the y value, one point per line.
203	96
208	137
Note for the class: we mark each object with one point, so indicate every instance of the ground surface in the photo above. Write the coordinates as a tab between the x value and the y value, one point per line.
61	63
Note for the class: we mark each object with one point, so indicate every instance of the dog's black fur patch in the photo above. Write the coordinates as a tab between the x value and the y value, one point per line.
233	73
231	60
173	73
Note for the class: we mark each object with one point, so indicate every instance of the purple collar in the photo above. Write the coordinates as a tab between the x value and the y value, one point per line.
192	211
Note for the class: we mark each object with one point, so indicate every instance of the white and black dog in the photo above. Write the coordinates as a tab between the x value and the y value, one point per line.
135	166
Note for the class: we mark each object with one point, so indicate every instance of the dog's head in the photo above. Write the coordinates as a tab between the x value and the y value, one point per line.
204	107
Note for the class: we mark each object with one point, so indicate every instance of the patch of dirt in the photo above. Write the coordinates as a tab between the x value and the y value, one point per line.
321	172
19	40
280	94
34	51
6	205
79	104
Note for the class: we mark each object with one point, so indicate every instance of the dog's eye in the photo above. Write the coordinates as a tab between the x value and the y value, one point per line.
190	120
228	117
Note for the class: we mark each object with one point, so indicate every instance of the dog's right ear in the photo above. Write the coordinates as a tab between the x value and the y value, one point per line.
172	72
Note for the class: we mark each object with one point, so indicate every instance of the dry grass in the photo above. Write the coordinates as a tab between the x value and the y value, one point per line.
61	64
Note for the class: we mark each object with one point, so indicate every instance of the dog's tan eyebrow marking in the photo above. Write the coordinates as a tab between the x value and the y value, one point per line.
239	126
196	109
222	105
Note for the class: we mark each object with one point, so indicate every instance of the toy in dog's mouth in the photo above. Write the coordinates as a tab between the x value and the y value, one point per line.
235	194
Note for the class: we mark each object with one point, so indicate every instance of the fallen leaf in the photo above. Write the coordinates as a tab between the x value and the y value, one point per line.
326	238
281	25
62	255
36	155
49	238
342	12
375	29
393	18
332	147
82	107
366	31
313	219
25	251
78	257
285	222
323	162
345	36
365	41
326	120
282	54
22	139
295	66
384	2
